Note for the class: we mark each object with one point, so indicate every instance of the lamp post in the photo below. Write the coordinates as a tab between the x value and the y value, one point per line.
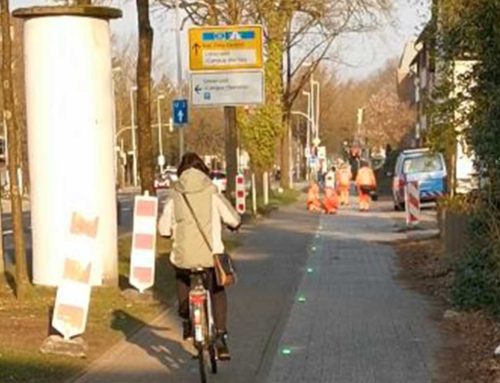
310	121
315	89
179	69
133	133
161	157
116	122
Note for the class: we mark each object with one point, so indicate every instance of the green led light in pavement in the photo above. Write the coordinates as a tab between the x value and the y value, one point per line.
310	270
313	248
286	351
302	299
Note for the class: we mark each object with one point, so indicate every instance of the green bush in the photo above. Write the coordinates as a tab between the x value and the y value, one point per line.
477	269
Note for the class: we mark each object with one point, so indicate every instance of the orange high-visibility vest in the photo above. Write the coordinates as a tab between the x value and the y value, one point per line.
345	176
366	177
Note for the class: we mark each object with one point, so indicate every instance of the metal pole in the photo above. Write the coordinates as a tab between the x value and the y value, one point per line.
179	70
134	144
290	156
122	164
254	195
160	144
309	119
316	121
265	182
313	103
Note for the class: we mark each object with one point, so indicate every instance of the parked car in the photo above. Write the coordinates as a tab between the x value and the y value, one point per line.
166	179
219	179
421	165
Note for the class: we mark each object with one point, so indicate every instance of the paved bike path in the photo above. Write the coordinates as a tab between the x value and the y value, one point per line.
271	262
354	323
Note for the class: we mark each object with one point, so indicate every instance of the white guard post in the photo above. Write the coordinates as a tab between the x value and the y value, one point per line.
142	258
241	206
73	294
412	204
70	120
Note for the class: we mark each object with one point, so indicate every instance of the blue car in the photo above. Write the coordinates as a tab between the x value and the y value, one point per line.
421	165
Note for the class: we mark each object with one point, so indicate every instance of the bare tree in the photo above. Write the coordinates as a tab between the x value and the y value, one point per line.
300	31
22	281
145	141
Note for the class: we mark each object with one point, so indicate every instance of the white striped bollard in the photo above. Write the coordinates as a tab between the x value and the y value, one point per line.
412	203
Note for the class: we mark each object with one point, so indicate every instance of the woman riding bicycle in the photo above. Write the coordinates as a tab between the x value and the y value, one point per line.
189	250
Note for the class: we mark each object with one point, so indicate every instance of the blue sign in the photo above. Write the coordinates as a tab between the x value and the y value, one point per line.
230	35
180	111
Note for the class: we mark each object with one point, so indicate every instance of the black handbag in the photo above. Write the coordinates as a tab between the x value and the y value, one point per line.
225	272
367	189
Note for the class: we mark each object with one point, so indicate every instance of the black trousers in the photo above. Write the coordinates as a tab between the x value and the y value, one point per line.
218	295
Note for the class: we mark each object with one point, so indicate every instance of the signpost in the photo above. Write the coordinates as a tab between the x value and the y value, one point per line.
225	47
226	64
180	111
227	88
322	152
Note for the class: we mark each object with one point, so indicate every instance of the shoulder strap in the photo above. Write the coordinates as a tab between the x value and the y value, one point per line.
198	225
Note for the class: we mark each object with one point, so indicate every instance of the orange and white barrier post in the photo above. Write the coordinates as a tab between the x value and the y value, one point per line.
142	258
412	203
241	206
73	293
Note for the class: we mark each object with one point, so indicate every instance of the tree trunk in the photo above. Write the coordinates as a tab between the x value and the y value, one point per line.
144	135
231	145
2	253
285	181
285	151
22	282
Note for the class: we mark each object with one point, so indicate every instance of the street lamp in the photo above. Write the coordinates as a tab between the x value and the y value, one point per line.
161	157
134	144
315	85
310	121
117	120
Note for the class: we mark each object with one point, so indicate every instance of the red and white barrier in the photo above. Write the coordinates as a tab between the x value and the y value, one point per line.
241	206
73	294
142	258
412	203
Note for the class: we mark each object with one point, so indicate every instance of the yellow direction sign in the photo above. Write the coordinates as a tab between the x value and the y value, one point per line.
225	48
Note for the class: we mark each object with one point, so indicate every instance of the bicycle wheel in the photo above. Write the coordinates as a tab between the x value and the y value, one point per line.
212	352
202	363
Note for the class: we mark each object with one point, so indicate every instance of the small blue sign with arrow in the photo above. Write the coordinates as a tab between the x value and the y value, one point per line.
180	111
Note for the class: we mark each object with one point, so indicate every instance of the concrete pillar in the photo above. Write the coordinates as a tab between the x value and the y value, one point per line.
70	118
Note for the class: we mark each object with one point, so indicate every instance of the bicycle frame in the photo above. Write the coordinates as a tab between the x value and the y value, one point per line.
200	304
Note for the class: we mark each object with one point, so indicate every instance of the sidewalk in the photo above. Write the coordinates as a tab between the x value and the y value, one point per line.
356	325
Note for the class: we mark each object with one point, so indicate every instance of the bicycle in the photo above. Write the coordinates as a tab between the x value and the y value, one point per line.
203	325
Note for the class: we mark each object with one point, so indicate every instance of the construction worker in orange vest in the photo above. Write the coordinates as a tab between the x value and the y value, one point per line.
313	201
365	182
330	200
344	178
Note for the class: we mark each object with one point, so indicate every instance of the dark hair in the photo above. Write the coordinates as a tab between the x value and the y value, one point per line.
192	160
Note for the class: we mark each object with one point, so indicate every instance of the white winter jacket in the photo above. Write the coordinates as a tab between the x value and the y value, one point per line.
212	209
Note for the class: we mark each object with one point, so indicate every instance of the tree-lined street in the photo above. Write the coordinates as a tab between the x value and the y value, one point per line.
357	142
322	288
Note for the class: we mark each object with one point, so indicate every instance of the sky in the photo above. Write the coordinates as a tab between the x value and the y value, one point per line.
359	55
